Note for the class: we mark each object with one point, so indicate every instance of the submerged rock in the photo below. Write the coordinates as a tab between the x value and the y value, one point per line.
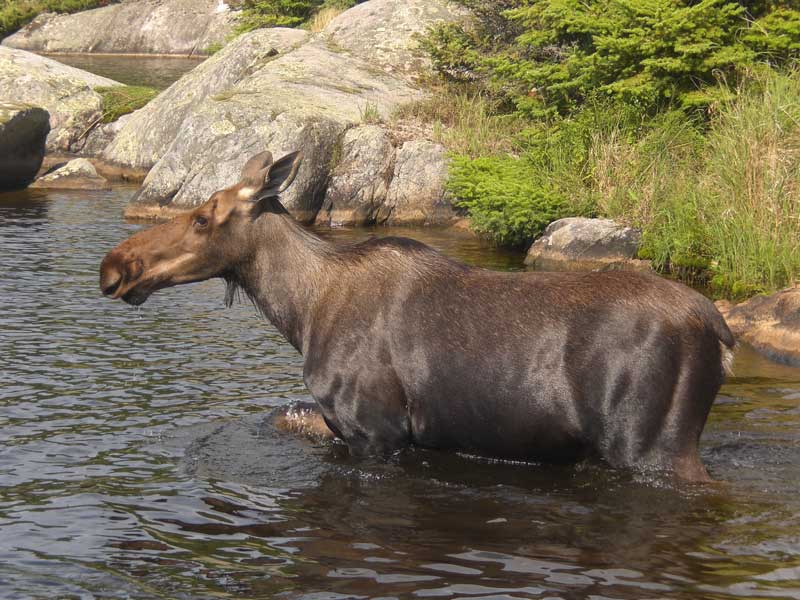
65	92
263	94
771	324
578	243
78	174
143	27
23	133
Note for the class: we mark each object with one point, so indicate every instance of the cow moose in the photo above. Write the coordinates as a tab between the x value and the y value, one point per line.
404	346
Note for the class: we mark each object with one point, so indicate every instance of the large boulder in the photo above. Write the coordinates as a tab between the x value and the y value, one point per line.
578	243
360	180
379	181
65	92
142	27
78	174
23	133
771	324
387	33
148	133
417	194
305	99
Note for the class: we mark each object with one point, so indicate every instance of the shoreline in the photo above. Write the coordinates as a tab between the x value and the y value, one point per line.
197	56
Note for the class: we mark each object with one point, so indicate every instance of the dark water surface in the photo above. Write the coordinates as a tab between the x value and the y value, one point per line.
136	462
155	71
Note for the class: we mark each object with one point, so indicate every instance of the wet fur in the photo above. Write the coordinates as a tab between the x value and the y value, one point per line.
404	346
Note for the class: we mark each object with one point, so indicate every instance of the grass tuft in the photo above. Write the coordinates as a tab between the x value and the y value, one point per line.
121	100
466	122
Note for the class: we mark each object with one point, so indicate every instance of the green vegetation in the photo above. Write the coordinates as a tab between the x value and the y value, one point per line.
213	48
290	13
124	99
15	14
680	117
370	115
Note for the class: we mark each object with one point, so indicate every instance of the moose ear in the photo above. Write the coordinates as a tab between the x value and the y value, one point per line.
281	175
255	171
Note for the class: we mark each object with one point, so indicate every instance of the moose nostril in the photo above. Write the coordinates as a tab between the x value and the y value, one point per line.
134	269
110	281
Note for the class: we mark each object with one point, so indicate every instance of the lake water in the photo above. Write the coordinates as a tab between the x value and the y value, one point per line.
155	71
136	461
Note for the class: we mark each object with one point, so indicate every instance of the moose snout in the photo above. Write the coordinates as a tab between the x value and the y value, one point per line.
115	271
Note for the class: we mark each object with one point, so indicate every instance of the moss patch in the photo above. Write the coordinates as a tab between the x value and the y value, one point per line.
121	100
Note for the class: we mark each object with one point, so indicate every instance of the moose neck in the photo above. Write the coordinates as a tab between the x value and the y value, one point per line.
288	271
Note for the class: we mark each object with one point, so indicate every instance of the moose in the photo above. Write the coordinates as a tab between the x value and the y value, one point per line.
406	347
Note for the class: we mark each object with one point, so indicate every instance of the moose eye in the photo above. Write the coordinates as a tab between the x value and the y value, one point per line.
200	221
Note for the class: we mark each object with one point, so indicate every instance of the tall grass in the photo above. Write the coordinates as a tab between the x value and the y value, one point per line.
123	99
322	17
751	185
718	199
467	122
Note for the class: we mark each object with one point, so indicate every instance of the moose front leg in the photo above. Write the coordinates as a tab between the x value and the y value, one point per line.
303	419
368	412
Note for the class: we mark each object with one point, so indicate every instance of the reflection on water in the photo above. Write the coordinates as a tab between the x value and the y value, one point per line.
137	461
154	71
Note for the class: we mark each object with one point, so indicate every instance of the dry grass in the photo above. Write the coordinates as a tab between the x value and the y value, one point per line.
464	122
322	18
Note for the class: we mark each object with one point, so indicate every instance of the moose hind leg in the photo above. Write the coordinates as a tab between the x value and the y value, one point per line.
692	398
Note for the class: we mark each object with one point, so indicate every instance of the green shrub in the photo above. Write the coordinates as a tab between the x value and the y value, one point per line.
650	53
550	56
506	198
776	36
15	14
124	99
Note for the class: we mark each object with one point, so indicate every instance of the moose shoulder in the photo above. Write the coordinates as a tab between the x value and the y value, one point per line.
405	346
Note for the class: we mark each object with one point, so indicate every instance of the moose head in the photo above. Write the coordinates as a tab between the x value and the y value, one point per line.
204	243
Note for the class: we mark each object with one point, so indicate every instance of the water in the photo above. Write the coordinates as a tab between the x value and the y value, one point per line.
136	461
155	71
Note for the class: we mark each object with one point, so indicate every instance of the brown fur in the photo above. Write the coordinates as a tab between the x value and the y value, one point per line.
405	346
